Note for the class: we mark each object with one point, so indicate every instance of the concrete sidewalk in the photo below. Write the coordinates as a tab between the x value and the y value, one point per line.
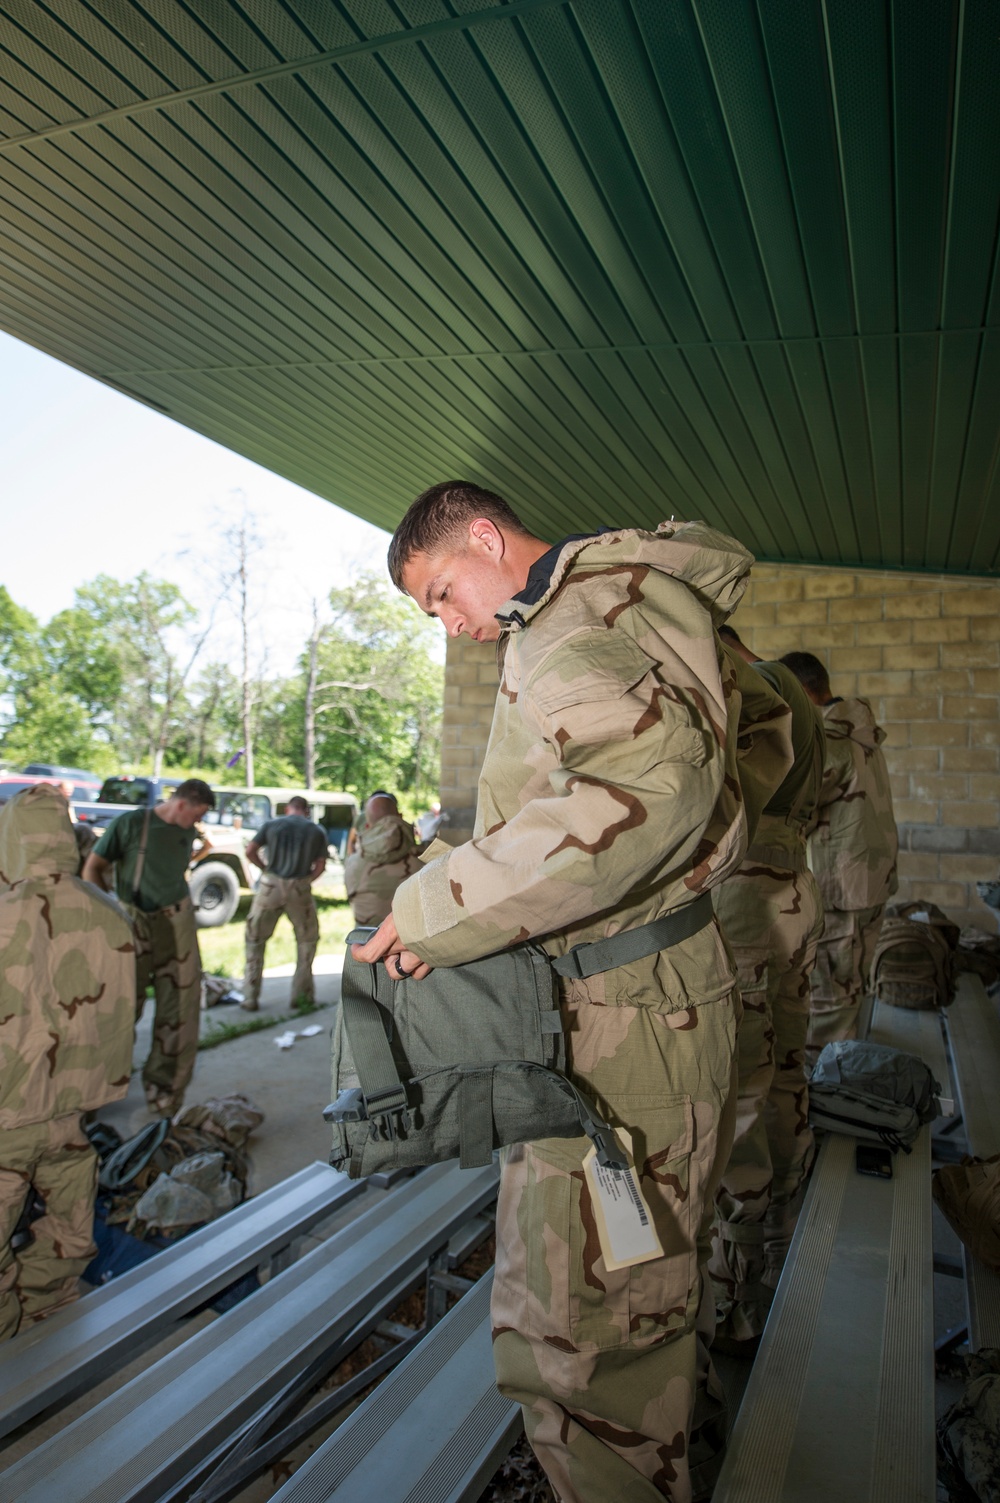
290	1086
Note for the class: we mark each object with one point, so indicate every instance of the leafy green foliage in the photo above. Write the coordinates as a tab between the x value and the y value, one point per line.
118	682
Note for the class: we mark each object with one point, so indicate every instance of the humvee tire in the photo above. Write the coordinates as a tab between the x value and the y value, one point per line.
215	893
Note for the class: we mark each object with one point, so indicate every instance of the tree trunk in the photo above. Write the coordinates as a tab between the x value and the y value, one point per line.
243	577
309	729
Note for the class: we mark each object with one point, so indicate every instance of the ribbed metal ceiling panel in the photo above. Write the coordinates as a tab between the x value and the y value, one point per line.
617	258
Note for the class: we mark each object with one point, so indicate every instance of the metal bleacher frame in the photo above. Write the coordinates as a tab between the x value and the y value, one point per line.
440	1409
82	1344
973	1025
840	1400
161	1434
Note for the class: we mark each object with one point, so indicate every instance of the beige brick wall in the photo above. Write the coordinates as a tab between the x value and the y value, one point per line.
924	648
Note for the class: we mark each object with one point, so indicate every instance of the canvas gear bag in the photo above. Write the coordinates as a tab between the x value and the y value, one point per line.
968	1195
471	1058
968	1434
914	960
872	1092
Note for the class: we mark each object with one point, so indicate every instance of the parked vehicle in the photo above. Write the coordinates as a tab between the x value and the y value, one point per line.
65	774
12	782
119	794
217	879
16	782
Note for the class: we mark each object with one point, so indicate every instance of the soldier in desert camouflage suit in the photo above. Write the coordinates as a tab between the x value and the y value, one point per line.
67	1002
609	795
386	854
772	914
852	852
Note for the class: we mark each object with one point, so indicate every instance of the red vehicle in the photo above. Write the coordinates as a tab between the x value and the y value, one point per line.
15	782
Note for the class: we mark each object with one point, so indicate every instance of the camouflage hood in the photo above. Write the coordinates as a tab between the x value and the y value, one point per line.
67	983
36	837
853	719
716	568
388	839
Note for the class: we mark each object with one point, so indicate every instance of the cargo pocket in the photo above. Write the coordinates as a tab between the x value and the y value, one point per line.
638	1306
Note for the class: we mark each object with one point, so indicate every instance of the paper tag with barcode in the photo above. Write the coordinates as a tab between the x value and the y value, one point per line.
624	1223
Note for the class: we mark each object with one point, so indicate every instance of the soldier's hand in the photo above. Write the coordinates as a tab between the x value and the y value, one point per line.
385	944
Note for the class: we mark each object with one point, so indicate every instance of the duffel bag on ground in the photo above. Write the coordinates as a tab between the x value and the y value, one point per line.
872	1092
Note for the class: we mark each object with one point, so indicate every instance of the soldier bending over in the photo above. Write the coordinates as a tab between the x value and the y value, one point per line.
609	796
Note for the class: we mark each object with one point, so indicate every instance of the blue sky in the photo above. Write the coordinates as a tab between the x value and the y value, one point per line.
93	482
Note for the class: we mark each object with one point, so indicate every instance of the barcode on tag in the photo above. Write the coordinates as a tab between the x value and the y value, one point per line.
624	1225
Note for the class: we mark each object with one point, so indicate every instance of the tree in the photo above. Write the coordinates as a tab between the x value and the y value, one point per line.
149	629
374	692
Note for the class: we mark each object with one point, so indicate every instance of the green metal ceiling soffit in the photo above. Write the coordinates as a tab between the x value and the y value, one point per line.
619	259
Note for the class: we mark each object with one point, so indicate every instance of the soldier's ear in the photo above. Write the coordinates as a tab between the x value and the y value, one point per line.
486	537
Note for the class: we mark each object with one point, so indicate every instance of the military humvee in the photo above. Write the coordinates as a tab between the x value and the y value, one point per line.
219	876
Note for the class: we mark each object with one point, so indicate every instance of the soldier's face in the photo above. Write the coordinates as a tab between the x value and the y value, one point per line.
188	815
463	589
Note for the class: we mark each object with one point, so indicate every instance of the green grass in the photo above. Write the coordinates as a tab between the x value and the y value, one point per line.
225	1031
222	949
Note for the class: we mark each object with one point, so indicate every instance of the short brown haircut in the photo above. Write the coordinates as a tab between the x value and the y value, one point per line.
809	671
439	517
298	802
194	791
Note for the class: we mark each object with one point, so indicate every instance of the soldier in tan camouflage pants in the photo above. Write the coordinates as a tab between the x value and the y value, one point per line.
275	896
67	1004
772	918
167	958
585	1350
56	1160
852	853
843	967
772	915
609	795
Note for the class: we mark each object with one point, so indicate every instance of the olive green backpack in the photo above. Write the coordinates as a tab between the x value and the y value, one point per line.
471	1058
402	1104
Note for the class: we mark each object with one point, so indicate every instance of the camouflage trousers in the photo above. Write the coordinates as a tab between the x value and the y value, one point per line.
55	1159
843	965
610	1367
275	896
167	957
773	919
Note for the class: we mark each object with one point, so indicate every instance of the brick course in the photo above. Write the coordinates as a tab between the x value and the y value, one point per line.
925	648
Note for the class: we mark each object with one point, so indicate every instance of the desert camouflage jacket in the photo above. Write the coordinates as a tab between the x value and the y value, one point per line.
386	854
610	791
780	839
67	982
853	846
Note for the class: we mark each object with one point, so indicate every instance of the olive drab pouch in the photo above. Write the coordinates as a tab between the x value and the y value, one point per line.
468	1060
914	961
872	1092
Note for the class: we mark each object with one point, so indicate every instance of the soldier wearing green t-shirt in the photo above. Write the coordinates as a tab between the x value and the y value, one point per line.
150	850
296	855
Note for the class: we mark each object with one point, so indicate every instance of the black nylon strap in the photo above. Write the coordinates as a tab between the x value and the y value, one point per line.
380	1082
636	944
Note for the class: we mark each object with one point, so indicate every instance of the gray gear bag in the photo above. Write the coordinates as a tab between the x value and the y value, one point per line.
471	1058
872	1092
